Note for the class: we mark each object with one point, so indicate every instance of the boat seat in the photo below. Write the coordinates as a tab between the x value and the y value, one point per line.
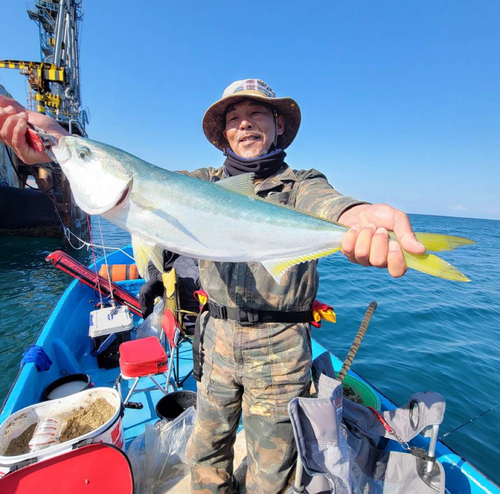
141	358
90	469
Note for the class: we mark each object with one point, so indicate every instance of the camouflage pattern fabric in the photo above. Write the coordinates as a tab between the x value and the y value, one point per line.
256	370
249	285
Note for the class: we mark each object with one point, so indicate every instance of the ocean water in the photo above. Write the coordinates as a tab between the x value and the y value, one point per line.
426	334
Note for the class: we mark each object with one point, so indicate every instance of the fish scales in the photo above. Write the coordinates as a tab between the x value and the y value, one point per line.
215	224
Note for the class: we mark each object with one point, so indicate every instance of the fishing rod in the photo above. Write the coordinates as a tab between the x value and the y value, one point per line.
469	421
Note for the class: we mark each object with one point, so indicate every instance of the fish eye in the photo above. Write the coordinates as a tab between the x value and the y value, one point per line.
83	153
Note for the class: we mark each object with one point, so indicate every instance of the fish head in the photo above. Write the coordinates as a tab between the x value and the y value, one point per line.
99	176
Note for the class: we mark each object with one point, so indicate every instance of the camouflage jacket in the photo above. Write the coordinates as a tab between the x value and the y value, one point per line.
249	285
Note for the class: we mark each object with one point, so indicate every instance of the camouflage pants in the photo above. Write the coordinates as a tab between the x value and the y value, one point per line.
254	370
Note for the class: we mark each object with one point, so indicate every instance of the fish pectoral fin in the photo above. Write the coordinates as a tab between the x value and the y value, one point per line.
277	267
433	265
145	252
437	242
241	184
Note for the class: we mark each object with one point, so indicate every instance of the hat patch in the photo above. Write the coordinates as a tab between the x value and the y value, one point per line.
249	85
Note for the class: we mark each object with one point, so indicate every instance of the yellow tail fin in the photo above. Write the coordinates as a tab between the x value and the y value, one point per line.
437	242
433	265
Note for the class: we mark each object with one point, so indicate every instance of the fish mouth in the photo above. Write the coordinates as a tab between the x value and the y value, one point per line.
124	196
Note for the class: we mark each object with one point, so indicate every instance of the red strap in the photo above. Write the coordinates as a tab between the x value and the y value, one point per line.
381	419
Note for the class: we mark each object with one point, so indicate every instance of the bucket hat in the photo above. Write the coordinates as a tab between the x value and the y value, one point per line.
214	119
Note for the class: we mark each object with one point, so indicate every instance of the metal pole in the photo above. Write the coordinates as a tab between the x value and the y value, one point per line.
298	475
59	33
431	452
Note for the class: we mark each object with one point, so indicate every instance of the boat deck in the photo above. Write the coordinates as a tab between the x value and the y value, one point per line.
65	340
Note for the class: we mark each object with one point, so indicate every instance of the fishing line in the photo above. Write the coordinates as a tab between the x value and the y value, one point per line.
95	262
469	421
106	262
68	234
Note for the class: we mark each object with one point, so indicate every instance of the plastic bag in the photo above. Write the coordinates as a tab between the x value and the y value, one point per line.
151	326
158	456
137	456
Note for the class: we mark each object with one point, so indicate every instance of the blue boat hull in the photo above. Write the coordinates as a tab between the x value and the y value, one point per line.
65	339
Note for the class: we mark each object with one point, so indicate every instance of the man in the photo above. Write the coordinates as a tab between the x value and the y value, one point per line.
255	336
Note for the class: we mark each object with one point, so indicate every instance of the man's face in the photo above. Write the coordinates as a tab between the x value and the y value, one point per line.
250	128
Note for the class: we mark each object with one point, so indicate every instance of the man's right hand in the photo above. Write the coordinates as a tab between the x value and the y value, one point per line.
13	127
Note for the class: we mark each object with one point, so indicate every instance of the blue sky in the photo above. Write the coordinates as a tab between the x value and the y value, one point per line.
400	99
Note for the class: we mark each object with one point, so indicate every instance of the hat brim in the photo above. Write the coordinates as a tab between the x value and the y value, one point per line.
214	118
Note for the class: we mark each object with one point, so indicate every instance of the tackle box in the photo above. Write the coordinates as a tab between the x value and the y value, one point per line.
104	322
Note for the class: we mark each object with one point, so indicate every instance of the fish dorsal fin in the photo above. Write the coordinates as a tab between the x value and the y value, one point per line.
241	184
145	252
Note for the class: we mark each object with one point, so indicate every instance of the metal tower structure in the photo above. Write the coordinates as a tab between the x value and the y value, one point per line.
54	89
54	82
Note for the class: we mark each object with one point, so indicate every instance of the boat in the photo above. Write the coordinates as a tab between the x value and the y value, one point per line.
65	339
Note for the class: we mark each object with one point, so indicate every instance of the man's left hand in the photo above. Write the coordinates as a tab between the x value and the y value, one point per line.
368	243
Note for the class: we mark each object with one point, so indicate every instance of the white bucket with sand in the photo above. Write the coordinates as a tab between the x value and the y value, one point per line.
90	416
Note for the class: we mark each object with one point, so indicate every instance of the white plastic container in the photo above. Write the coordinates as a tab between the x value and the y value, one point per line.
110	320
111	432
46	434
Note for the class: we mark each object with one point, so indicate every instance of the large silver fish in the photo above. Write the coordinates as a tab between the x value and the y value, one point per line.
222	221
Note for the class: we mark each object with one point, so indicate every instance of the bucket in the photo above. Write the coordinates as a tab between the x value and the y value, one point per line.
170	406
66	386
367	395
16	426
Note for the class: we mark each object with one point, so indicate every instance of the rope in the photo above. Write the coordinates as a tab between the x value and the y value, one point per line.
68	234
357	341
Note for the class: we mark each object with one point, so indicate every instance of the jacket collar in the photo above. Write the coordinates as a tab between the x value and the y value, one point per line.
284	174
